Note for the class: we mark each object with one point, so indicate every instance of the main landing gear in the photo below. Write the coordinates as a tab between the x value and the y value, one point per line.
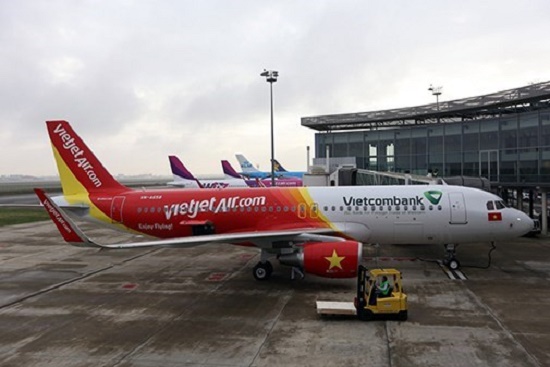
450	259
263	269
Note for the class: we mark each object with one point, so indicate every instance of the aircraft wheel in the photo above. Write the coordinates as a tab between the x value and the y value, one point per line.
262	271
453	264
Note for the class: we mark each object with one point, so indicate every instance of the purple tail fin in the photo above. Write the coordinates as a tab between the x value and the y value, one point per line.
277	166
229	170
179	170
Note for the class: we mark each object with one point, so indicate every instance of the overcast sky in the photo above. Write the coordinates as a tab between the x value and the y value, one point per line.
140	80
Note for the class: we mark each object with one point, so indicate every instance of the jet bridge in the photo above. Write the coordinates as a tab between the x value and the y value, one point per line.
346	176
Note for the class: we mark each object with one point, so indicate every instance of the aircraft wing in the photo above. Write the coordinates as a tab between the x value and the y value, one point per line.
299	235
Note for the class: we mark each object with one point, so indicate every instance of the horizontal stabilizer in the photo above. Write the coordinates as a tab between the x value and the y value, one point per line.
68	229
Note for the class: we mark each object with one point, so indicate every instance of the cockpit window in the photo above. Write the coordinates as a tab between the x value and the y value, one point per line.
490	205
500	204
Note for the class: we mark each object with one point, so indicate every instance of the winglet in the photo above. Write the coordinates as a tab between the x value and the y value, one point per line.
180	172
228	170
68	229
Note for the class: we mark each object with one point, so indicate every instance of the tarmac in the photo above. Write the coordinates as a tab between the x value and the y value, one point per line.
68	306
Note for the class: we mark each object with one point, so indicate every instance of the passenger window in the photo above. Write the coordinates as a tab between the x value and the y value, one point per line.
422	207
333	208
139	210
490	205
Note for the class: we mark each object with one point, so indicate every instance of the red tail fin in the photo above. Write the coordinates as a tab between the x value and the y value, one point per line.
79	169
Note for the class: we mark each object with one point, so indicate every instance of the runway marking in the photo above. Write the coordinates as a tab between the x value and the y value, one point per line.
217	277
452	274
129	286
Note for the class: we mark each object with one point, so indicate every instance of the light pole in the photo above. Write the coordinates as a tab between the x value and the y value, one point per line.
271	77
436	91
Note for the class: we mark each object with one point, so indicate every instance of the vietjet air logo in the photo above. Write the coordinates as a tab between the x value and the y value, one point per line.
335	260
433	196
68	143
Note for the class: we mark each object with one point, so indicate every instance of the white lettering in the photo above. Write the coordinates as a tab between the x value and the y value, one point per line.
192	208
82	162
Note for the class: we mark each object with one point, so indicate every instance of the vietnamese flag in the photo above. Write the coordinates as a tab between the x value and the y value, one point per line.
495	216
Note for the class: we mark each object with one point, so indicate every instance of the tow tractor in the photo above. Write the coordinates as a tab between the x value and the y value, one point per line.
369	304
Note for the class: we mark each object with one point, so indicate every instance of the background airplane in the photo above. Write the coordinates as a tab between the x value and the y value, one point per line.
184	178
278	167
230	172
319	229
249	170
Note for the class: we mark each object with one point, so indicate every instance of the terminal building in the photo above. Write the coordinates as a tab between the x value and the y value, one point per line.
503	137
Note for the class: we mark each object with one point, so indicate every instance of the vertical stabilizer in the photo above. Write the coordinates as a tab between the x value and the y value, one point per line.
277	167
245	164
180	172
229	171
79	169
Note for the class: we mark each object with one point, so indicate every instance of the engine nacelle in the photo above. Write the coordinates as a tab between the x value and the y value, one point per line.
327	259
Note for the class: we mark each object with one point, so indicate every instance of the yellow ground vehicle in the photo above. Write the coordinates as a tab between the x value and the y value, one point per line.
370	304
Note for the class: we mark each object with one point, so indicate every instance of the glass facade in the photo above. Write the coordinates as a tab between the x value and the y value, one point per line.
511	150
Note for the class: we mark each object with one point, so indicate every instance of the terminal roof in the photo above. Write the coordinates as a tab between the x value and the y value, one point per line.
531	97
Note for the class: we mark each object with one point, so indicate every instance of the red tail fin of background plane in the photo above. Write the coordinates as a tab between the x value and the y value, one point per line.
79	169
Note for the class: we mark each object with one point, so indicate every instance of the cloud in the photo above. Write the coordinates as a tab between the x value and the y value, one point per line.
140	80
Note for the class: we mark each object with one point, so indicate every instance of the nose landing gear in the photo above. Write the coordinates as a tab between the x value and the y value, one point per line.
450	259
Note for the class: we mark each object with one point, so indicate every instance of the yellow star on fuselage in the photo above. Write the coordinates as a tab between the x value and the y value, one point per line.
335	260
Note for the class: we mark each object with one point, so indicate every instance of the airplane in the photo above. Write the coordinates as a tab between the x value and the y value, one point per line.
230	172
184	178
249	170
320	230
278	167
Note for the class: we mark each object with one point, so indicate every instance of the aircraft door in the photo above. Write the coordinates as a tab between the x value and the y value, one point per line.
458	208
116	209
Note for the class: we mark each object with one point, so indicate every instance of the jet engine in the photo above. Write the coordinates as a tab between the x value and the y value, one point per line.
327	259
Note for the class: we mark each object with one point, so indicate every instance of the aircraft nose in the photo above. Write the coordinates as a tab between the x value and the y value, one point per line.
522	223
